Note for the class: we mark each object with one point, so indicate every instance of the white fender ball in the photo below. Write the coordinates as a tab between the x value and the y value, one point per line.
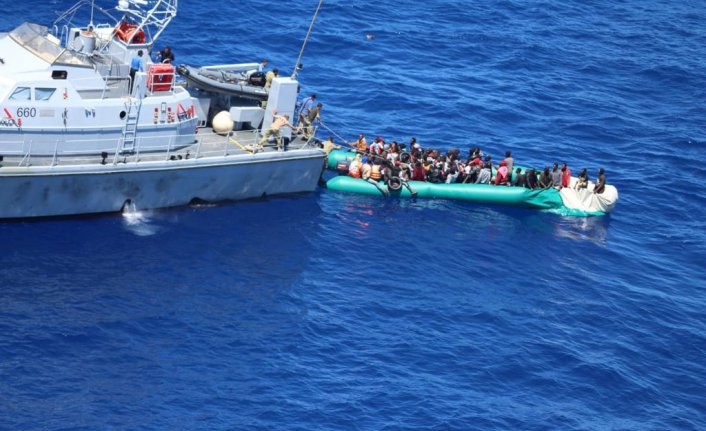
223	123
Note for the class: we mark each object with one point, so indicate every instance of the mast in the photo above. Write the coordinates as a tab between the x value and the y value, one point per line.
151	16
306	39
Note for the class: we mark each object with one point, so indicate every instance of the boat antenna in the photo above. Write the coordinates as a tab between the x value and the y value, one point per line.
306	39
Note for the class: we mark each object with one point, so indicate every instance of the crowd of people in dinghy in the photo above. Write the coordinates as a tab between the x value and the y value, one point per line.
396	164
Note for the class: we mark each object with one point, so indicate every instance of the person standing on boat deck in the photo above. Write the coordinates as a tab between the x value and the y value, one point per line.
136	65
263	65
270	76
308	121
274	130
306	109
166	56
600	183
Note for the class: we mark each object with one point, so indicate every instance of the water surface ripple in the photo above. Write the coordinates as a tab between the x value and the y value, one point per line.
331	311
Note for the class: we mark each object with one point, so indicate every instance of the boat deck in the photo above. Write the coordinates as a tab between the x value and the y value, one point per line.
207	144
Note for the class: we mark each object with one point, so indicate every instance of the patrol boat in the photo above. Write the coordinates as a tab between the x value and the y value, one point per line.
79	135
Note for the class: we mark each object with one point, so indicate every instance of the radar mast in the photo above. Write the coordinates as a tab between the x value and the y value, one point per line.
151	16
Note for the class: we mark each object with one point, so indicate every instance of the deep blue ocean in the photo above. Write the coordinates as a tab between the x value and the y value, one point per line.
328	311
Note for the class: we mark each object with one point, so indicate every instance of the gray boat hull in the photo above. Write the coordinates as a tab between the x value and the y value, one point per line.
62	191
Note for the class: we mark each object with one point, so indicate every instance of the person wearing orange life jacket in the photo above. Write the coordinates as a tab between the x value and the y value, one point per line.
361	144
365	169
375	173
354	169
371	174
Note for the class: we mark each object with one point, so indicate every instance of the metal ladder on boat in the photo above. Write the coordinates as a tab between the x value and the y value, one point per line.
132	109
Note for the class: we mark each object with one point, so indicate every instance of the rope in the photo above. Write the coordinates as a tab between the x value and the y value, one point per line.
242	147
334	133
306	39
352	145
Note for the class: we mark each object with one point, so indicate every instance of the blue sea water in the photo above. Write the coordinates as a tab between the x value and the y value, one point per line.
328	311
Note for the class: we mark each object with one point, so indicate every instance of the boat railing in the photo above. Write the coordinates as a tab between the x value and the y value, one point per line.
152	148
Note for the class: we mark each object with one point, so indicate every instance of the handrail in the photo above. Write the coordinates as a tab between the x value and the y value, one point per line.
219	147
150	146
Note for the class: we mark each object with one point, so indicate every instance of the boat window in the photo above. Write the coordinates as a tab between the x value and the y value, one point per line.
35	38
43	93
21	93
59	74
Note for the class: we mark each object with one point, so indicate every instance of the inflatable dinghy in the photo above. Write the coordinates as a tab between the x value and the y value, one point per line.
567	201
220	81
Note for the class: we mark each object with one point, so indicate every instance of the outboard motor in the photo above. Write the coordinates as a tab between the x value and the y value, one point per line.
342	167
257	79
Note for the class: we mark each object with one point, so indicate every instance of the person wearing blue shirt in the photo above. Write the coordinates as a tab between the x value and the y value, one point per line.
305	109
136	65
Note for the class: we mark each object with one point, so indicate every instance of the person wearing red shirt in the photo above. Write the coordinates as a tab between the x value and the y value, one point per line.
501	178
418	172
565	175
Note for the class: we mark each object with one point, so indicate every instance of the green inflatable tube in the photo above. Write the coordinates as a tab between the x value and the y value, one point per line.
336	156
548	199
480	193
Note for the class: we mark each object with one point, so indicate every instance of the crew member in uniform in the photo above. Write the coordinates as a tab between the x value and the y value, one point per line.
136	65
270	76
280	121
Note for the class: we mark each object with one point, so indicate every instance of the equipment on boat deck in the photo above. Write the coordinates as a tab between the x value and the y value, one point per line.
246	84
89	124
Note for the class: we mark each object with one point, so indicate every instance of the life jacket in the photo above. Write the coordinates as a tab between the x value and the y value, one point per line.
354	169
375	173
362	145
